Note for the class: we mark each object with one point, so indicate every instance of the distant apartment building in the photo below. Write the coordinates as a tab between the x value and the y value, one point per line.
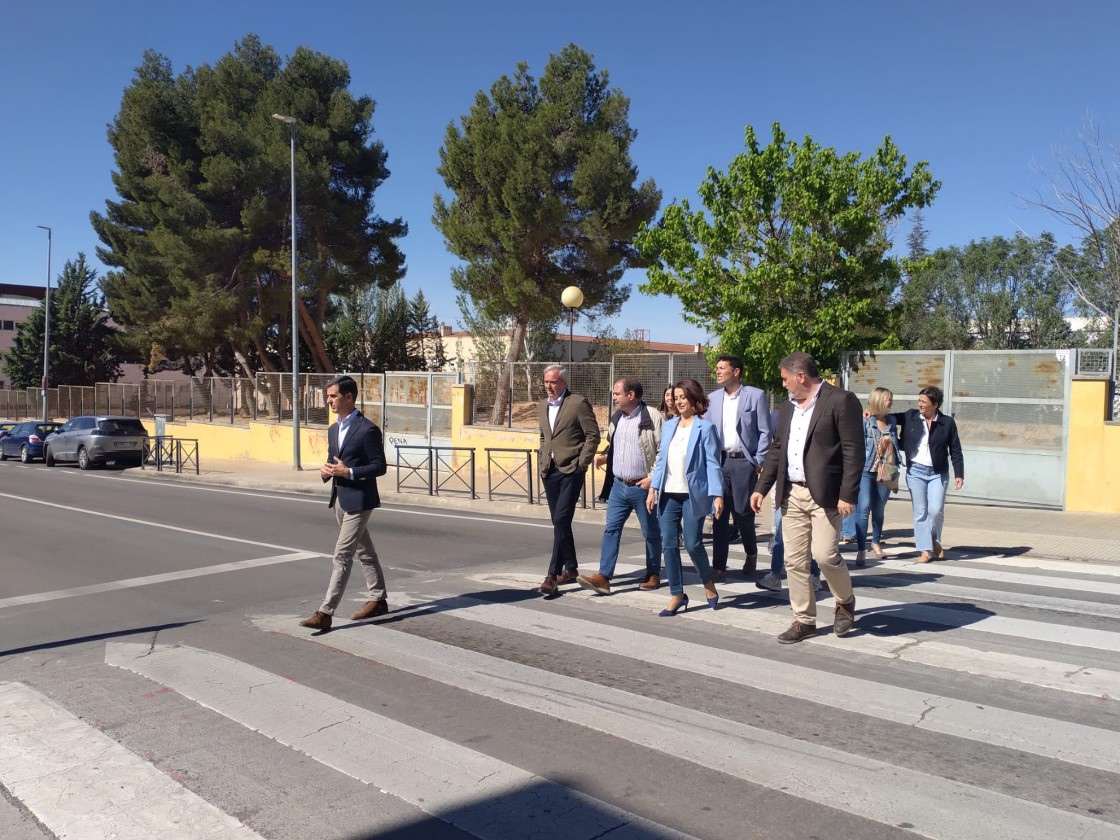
16	304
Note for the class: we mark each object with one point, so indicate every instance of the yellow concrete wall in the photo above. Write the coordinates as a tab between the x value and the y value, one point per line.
254	442
1093	464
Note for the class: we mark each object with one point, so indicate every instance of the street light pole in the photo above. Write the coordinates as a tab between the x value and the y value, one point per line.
291	121
571	297
47	328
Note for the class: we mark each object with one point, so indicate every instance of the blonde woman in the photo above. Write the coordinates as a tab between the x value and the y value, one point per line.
879	433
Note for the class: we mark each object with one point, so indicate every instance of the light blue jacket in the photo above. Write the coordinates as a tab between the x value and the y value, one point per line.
702	472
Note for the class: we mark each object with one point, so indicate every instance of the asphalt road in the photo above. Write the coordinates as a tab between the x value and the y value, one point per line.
153	678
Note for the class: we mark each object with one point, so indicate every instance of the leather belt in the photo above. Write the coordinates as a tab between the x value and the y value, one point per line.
734	455
798	483
632	482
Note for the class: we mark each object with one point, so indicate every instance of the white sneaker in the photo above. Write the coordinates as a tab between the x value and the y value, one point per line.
770	581
817	584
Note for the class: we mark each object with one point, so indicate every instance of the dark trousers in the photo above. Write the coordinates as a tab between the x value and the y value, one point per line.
739	477
562	491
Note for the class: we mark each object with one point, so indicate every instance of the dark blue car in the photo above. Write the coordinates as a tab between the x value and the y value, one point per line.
25	440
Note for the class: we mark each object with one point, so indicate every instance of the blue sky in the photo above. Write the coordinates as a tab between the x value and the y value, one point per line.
980	90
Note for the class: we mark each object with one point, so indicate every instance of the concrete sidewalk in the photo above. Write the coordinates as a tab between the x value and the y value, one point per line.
970	529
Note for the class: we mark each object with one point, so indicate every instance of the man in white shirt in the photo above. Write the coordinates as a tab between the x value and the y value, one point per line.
815	460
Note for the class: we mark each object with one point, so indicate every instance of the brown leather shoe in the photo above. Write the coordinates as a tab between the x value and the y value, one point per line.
317	621
567	576
845	617
596	583
923	557
650	583
718	574
751	566
372	609
548	586
796	632
938	550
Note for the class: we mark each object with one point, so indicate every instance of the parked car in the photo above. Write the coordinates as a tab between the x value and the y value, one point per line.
97	439
25	440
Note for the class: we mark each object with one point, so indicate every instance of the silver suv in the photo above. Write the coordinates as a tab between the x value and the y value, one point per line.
97	439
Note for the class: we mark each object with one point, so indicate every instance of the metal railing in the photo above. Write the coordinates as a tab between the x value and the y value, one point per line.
437	470
514	466
171	452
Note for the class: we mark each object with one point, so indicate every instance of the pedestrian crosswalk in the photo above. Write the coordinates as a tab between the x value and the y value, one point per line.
976	700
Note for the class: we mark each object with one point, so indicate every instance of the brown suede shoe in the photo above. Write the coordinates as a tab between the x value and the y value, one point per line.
938	550
718	574
317	621
650	583
567	576
845	617
372	609
596	583
796	632
548	586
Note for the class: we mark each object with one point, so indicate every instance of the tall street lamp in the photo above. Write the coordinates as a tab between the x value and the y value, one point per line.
571	297
291	121
46	327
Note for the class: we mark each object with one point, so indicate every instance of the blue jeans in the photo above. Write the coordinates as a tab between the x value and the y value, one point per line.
778	550
872	500
848	527
927	495
675	511
620	503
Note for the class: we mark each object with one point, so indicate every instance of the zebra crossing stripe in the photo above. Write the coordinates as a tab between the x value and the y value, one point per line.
486	797
1071	742
83	785
842	780
945	571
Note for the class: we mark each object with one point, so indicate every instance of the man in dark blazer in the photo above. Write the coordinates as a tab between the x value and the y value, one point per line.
816	457
355	458
569	438
741	416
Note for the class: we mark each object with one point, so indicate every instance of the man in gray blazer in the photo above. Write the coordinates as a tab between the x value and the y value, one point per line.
741	416
569	438
816	457
355	458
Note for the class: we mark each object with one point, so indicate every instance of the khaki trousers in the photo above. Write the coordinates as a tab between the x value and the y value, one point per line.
812	532
353	541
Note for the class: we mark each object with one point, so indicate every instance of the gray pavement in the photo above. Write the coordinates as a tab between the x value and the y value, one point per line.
970	529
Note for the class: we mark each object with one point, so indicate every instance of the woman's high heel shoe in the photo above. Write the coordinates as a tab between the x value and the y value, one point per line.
682	604
878	550
712	599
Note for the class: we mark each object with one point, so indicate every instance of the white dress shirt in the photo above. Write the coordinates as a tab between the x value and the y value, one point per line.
799	436
730	420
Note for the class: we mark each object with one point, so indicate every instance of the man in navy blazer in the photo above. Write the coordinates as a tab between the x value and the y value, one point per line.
741	415
355	458
816	458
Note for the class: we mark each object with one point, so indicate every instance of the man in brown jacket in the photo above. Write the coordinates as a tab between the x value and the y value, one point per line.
569	438
815	459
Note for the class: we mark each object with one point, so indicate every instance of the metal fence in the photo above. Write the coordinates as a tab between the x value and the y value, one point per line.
1010	407
593	380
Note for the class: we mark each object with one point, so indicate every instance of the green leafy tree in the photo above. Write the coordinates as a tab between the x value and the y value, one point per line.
994	294
84	346
199	237
791	251
544	196
369	331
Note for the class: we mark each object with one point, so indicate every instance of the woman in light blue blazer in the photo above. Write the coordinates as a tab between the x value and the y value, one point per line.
686	487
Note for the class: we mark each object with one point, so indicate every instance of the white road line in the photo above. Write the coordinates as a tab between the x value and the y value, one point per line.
1062	676
151	580
83	785
848	782
1072	605
145	522
1073	567
956	570
488	798
988	724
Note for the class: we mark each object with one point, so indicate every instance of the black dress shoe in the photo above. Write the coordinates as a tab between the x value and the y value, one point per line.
751	566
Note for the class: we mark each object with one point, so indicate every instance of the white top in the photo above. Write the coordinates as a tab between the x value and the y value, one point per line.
344	426
730	420
675	481
922	456
799	436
